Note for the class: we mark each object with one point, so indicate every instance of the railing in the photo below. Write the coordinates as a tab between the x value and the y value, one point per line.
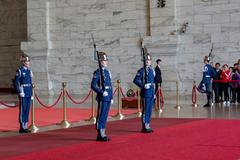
64	95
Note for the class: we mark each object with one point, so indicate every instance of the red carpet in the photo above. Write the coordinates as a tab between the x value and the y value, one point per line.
180	139
43	117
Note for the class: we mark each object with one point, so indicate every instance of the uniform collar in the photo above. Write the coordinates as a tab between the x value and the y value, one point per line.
104	68
25	68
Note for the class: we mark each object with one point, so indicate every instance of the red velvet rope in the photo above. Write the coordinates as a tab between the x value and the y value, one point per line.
6	105
157	92
82	101
122	92
115	91
50	106
194	95
136	93
225	81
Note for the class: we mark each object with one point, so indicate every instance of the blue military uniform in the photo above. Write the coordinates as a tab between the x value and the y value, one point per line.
23	85
104	101
208	74
146	94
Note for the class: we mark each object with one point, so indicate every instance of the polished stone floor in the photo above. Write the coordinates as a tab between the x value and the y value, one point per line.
186	109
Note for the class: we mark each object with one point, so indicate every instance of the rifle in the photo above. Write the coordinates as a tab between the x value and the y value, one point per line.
210	53
143	54
96	54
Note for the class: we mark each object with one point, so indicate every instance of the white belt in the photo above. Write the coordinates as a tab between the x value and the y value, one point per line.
107	87
26	85
207	76
152	84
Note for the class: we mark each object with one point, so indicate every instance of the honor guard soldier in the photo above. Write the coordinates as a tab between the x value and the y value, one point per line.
208	74
147	92
101	84
23	85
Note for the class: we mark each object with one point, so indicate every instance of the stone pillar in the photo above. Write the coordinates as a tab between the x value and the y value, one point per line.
13	30
162	44
38	44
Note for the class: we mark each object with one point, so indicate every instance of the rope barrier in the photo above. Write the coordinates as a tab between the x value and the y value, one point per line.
157	91
194	95
6	105
122	92
82	101
50	106
226	81
136	93
115	91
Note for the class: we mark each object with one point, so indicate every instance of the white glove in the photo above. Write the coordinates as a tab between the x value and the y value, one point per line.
147	86
112	101
21	94
105	94
155	96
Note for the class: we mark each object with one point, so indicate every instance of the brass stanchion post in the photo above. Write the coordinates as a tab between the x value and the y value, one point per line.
119	115
195	94
139	113
156	101
33	127
64	122
177	96
92	119
159	99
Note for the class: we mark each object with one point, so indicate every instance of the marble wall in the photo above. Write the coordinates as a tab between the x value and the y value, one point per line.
61	47
59	39
13	30
210	22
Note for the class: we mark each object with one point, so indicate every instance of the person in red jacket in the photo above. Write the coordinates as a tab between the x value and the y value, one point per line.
226	77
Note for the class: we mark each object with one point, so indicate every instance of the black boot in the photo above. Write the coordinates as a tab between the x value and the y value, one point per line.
102	138
22	130
207	105
147	130
28	130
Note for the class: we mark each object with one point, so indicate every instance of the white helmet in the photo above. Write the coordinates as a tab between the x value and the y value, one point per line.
103	56
25	58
